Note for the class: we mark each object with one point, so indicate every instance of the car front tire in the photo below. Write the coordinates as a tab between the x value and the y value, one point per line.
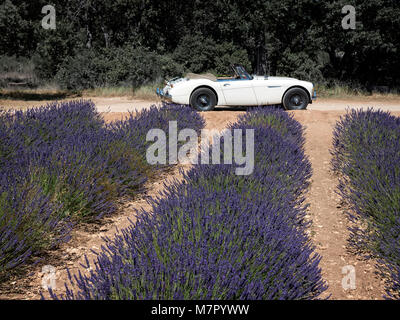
295	99
203	99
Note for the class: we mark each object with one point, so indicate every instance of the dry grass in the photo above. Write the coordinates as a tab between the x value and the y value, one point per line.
145	92
36	94
337	91
108	92
346	92
53	92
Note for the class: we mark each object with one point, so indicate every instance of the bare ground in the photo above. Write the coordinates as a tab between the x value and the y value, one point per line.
125	104
329	229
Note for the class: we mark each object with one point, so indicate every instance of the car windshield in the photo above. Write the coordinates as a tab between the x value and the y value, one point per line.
241	72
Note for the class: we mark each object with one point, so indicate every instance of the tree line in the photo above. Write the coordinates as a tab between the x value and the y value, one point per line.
117	42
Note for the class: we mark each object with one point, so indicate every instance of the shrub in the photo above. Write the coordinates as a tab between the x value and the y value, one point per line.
27	221
15	30
200	54
126	66
132	66
54	46
367	154
219	235
196	53
61	164
226	54
302	66
16	69
85	70
169	67
281	122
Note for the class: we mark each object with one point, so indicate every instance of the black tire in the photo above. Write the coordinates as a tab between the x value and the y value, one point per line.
203	99
295	99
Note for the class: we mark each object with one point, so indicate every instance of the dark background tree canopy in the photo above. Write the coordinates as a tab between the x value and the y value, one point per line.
112	42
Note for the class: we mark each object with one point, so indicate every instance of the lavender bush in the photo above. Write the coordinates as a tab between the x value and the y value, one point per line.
367	155
62	163
282	122
218	235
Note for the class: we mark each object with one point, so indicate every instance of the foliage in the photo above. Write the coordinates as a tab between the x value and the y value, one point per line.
367	154
195	53
127	66
301	38
53	48
14	30
226	54
301	66
219	235
198	54
13	64
16	69
61	164
83	71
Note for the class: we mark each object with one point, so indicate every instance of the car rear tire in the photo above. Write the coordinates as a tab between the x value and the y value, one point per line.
295	99
203	99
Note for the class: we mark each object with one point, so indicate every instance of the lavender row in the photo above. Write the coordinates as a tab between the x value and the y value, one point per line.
367	155
219	235
61	164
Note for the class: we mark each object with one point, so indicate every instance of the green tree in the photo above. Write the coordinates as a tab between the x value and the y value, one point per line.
53	47
14	30
196	53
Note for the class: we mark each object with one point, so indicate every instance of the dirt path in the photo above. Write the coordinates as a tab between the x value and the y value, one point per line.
125	104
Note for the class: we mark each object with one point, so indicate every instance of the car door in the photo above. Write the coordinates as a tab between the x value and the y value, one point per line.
269	91
239	92
261	90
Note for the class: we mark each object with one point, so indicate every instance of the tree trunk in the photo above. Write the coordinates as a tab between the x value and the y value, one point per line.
89	37
106	36
261	66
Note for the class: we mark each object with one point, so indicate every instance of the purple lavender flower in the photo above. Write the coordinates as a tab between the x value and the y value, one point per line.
366	153
61	163
218	235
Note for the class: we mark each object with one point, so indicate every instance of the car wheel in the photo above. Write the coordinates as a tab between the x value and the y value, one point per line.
203	99
295	99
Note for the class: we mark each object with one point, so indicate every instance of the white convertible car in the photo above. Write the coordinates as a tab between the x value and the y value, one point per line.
204	92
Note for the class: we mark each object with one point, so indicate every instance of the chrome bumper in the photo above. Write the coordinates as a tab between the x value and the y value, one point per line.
163	95
314	97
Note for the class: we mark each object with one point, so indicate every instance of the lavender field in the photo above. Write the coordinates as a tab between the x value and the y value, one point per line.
212	234
219	235
61	164
367	156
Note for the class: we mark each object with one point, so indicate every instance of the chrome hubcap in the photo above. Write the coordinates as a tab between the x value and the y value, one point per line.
203	100
296	100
